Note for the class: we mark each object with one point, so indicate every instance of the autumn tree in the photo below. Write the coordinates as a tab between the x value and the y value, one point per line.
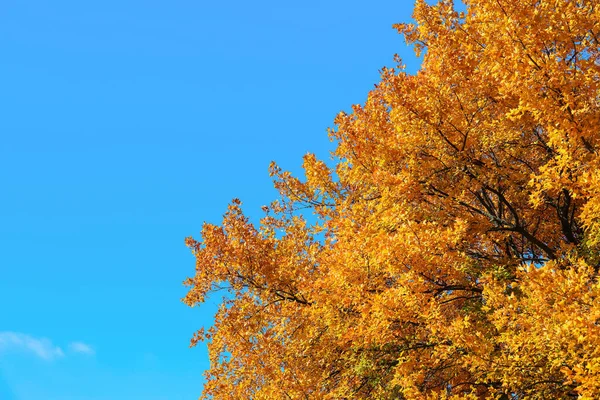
454	249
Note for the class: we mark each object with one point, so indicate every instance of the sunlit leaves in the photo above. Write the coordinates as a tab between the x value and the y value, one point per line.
453	249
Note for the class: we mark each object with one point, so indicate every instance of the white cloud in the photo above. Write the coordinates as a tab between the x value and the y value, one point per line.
41	347
80	347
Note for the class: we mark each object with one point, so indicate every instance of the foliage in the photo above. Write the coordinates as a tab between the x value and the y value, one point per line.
455	247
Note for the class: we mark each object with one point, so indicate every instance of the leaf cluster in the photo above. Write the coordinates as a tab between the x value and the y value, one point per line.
454	248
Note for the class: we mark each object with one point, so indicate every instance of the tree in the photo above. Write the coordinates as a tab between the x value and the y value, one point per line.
455	247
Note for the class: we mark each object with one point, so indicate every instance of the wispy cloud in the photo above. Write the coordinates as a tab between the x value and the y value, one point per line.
83	348
40	347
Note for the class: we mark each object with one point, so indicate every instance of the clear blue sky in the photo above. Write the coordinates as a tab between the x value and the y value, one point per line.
124	125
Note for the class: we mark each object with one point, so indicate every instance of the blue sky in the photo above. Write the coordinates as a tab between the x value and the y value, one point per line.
126	124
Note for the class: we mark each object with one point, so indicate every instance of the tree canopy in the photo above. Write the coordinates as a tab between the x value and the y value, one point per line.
454	246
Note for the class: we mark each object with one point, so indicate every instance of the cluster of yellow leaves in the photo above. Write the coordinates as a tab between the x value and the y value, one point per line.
454	250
